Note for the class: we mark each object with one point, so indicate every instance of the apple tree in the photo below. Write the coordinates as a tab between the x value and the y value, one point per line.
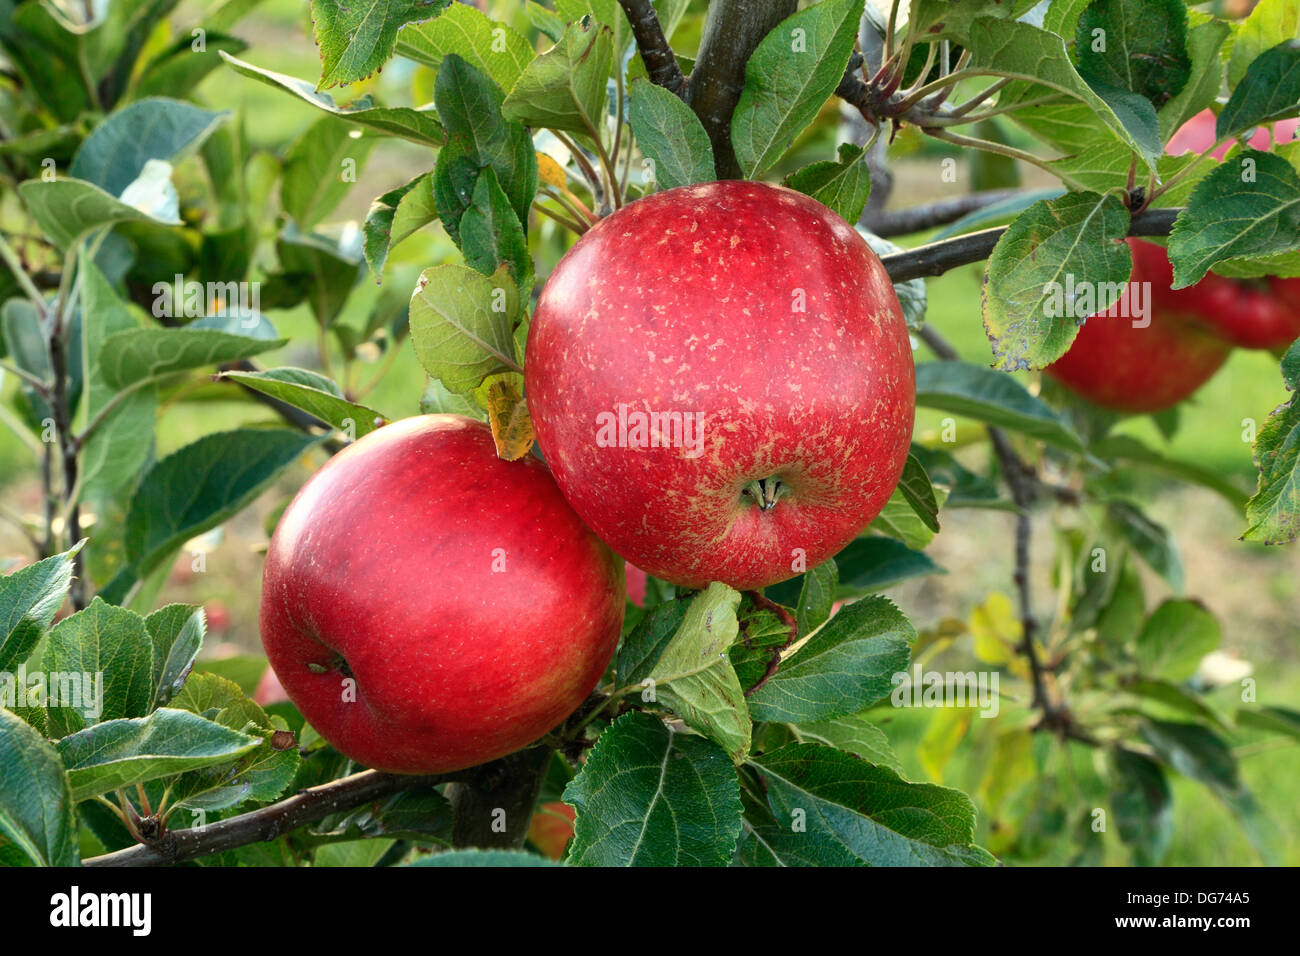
146	235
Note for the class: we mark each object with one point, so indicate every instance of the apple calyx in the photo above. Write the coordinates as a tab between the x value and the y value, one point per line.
764	492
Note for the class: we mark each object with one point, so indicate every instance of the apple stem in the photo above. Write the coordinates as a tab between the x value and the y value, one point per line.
765	492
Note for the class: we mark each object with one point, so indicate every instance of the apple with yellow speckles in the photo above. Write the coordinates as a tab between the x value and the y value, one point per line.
430	606
721	379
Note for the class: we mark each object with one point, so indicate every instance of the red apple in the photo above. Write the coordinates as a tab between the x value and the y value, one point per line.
636	583
269	690
429	606
1250	313
1198	133
551	828
1132	369
721	380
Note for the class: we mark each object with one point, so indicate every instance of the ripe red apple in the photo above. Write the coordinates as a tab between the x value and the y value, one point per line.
1119	366
636	583
429	606
721	380
1198	133
551	828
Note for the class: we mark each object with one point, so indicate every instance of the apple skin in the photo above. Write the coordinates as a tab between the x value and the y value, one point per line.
689	301
1149	369
551	828
382	567
1198	133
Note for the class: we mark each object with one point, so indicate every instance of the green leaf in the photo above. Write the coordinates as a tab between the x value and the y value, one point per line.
138	355
564	88
67	209
203	484
462	325
419	126
670	135
641	649
1175	697
1274	720
854	734
1175	638
478	858
1204	41
1247	206
180	68
105	657
648	795
965	488
1202	755
176	632
1269	91
121	753
816	598
1127	448
842	669
314	180
1269	23
993	398
381	230
114	155
843	184
873	563
1144	47
322	266
491	235
1039	65
793	71
493	48
916	488
118	448
1152	542
1143	805
29	599
828	808
1273	513
692	675
36	807
314	394
356	39
1054	245
899	519
262	774
478	136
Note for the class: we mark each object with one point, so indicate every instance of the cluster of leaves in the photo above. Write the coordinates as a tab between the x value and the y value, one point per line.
718	758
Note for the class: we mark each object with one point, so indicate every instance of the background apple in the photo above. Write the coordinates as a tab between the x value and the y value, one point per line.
462	594
757	312
1147	369
1198	133
551	828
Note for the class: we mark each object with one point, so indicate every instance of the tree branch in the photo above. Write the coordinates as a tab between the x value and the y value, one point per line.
267	823
732	31
902	222
936	258
660	62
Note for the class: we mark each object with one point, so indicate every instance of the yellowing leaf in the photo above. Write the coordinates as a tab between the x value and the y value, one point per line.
947	729
549	171
512	429
996	629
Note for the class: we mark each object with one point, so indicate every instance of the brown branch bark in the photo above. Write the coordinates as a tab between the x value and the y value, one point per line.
660	62
936	258
267	823
732	31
